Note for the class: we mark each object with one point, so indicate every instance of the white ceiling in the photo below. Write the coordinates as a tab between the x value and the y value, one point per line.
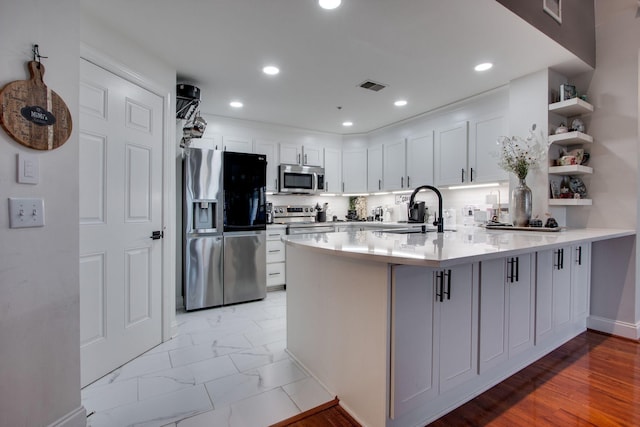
424	50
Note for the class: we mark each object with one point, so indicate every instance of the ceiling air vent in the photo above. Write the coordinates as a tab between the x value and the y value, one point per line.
371	85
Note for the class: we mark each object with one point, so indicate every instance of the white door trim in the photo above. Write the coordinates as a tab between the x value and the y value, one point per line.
169	325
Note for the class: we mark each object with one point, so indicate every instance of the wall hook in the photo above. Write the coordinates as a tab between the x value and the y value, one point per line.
36	54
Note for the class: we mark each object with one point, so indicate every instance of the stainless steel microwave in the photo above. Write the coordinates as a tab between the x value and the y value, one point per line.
295	179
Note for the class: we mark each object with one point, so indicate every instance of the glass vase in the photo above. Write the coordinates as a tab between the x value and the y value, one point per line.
521	201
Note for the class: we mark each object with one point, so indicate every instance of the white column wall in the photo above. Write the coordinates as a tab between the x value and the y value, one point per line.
39	271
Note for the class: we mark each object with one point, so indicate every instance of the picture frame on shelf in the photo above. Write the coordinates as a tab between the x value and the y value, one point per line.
567	92
553	8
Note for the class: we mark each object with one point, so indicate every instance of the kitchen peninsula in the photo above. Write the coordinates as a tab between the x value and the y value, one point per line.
404	328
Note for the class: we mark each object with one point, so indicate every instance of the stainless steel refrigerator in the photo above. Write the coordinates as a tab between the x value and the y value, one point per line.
224	217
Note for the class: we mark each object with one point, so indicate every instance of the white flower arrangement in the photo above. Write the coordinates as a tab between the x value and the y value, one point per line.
519	155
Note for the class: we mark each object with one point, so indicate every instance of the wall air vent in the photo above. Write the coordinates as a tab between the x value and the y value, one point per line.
371	85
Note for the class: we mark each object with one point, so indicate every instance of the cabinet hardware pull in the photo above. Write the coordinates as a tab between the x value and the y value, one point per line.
276	182
462	174
408	182
561	259
274	274
510	274
274	235
471	175
556	263
448	274
272	251
343	187
305	159
439	286
517	259
379	184
402	182
579	249
299	159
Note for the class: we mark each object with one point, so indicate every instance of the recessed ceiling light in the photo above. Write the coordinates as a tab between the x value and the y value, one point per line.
329	4
347	124
236	104
484	66
271	70
400	103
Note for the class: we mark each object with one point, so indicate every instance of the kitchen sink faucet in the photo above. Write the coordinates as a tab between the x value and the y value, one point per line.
439	222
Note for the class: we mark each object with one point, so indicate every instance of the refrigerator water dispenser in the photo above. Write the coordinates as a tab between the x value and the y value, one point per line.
204	215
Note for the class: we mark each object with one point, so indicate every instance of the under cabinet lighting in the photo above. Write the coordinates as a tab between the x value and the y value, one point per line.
402	192
236	104
470	186
327	194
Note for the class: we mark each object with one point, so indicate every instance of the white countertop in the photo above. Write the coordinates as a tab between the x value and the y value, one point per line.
450	248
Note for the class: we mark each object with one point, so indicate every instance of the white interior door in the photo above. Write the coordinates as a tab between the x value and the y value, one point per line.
120	206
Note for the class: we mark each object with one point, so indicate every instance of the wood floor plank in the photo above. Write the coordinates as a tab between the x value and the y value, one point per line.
593	380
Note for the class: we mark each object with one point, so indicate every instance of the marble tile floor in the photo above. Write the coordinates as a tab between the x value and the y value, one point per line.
227	367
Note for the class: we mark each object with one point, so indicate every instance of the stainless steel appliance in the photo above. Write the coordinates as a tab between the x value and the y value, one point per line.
300	219
224	220
295	179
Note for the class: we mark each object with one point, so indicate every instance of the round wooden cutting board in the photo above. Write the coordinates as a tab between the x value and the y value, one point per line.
33	114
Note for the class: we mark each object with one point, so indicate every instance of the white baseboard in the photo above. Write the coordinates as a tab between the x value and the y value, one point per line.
614	327
75	418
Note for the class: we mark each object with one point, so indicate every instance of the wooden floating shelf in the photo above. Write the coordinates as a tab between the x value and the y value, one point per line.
570	202
570	138
571	107
570	170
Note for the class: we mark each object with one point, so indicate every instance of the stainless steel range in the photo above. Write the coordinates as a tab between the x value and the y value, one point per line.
300	219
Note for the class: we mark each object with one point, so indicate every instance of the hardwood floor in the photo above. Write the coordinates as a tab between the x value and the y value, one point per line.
593	380
329	414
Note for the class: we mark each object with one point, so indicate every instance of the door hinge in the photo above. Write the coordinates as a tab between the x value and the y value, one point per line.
156	235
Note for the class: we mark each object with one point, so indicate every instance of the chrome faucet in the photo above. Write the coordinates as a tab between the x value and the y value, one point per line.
439	221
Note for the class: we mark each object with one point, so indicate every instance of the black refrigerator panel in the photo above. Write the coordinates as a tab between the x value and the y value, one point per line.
244	183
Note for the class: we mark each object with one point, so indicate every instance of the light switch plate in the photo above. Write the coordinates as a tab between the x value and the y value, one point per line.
28	169
26	212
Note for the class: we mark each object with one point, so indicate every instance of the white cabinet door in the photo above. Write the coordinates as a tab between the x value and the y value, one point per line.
484	151
412	358
458	326
506	309
493	314
374	168
581	282
290	154
394	165
521	299
312	156
354	171
451	155
420	161
333	170
237	145
269	149
553	292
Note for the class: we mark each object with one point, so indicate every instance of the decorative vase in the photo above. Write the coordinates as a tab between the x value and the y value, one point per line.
521	203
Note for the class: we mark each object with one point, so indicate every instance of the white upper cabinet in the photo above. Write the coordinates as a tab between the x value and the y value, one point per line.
333	170
354	171
420	161
238	145
484	152
451	154
270	149
394	166
374	168
294	154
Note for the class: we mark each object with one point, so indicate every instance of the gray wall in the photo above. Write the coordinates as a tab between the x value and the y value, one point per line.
576	33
